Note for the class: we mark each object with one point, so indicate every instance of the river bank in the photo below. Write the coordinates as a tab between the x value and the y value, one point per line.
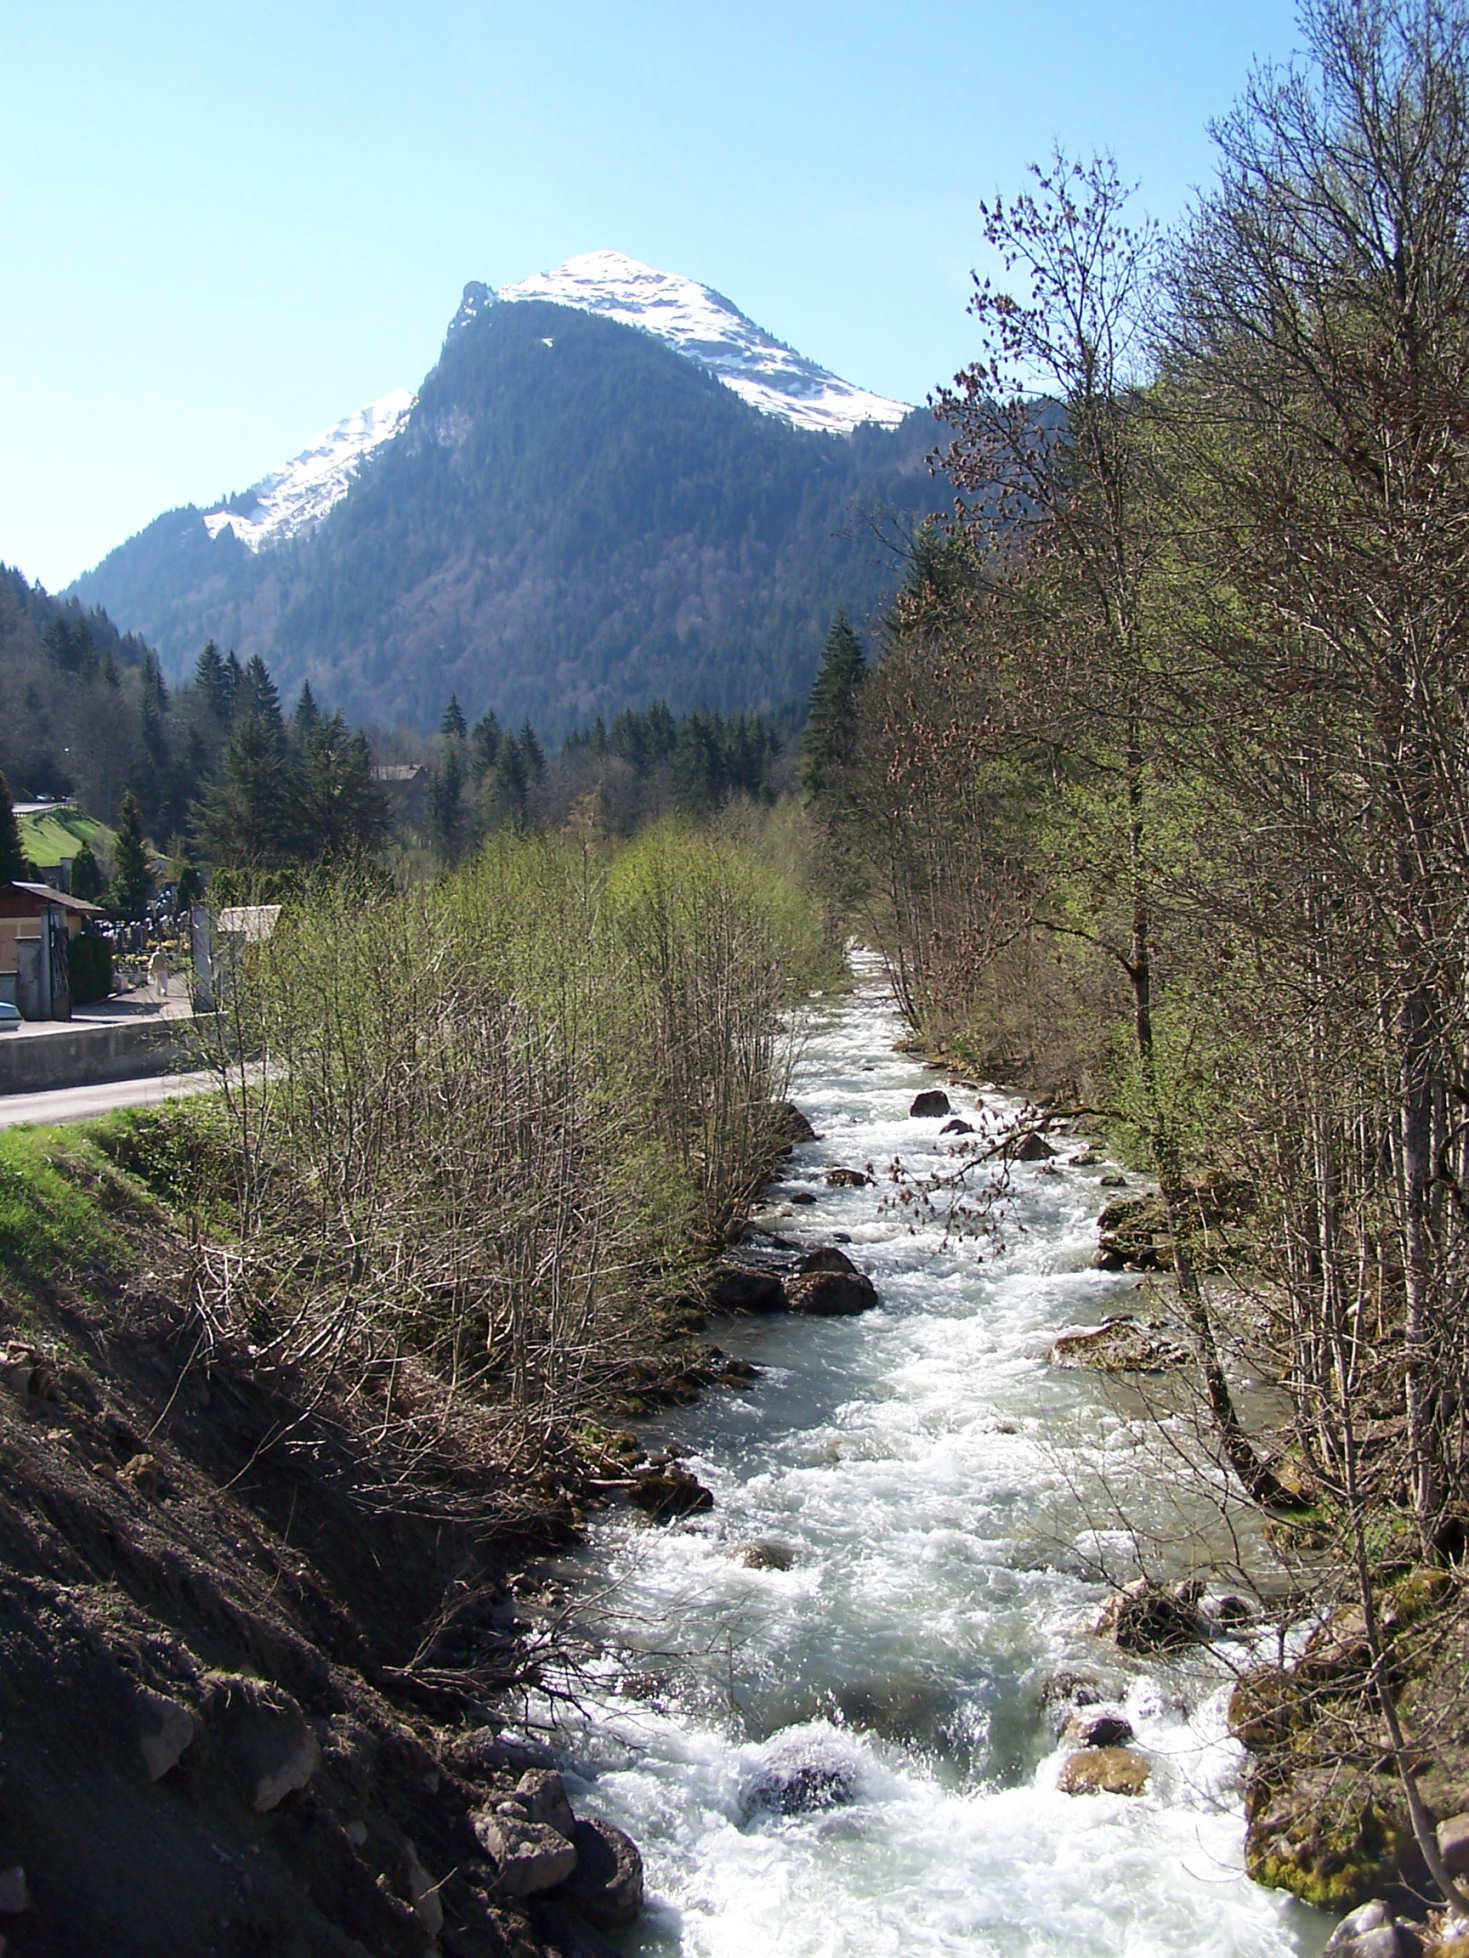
916	1520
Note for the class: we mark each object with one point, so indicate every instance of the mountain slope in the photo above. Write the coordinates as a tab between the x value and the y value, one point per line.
572	518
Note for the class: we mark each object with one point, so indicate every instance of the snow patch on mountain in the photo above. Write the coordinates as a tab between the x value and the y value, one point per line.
702	324
300	493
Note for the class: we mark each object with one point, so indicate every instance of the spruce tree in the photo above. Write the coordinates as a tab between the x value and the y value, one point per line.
132	880
533	753
445	801
343	811
828	744
211	680
257	695
13	863
249	817
454	724
488	734
87	881
307	716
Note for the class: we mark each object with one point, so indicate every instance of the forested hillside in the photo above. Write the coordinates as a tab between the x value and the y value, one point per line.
574	520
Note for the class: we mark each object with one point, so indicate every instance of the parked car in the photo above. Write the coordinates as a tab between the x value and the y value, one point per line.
9	1015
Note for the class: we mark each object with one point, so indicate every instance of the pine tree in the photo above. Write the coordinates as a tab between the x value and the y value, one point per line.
445	802
13	863
307	716
250	817
258	696
454	723
212	681
485	744
132	880
87	881
533	754
827	746
343	811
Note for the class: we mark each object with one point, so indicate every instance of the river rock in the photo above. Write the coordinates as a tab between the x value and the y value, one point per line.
1146	1616
1453	1844
932	1101
266	1735
1119	1345
789	1124
1097	1727
669	1490
542	1794
762	1554
1371	1931
847	1179
606	1887
1103	1771
800	1790
1132	1234
831	1294
745	1288
827	1257
802	1196
1061	1693
166	1728
528	1856
957	1127
1031	1147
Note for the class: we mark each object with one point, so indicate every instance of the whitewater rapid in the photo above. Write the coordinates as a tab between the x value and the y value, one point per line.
950	1507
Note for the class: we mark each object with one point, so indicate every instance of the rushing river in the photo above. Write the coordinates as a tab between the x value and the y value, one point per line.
945	1500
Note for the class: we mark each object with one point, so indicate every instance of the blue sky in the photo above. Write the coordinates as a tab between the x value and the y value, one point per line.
226	228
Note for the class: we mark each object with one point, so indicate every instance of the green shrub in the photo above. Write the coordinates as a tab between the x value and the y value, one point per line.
89	961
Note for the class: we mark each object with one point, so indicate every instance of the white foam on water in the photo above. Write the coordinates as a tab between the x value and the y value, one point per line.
948	1502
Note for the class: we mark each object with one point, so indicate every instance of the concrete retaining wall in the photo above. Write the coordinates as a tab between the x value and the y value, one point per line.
79	1056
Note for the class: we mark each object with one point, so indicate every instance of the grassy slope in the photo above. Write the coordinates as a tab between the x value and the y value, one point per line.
48	840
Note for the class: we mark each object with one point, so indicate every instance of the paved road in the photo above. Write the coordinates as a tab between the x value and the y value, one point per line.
53	1105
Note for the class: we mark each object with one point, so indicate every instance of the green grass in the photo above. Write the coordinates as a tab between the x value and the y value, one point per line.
51	1218
60	833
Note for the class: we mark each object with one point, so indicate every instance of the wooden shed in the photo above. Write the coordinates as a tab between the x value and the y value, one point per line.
37	924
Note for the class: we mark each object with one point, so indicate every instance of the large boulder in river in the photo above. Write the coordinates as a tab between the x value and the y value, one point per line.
668	1490
1371	1931
803	1769
826	1257
606	1887
1146	1616
1103	1771
1097	1726
1119	1345
1028	1146
933	1101
1132	1235
788	1124
831	1294
847	1179
528	1856
745	1288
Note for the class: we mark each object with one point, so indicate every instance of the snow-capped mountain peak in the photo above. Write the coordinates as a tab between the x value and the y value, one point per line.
301	491
706	327
692	319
